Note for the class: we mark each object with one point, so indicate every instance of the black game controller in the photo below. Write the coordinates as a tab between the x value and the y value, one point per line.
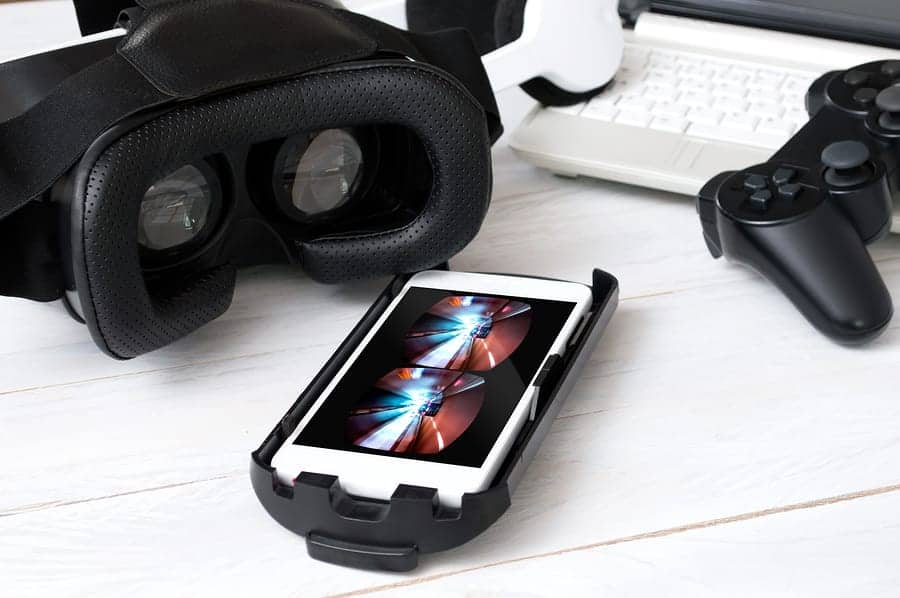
803	220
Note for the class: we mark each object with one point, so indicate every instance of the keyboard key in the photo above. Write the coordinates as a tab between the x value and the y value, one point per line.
600	111
670	110
661	79
730	105
768	78
764	97
693	99
636	119
659	93
698	85
571	110
658	59
763	85
745	122
793	101
796	84
729	90
695	74
777	128
635	103
766	110
740	73
705	116
671	125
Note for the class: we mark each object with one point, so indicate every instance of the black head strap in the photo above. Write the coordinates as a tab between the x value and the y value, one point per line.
159	63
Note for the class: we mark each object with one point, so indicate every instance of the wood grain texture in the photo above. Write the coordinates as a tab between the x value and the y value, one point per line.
710	399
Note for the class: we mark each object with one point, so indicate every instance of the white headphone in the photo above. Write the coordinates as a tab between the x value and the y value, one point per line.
576	45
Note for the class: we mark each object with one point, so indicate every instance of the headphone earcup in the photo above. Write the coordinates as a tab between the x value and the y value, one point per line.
477	16
509	22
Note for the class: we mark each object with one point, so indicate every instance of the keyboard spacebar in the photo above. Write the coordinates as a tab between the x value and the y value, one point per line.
740	136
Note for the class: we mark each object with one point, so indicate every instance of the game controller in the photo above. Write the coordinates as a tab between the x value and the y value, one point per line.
804	219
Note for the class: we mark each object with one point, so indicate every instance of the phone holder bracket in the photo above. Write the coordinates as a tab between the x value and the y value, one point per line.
390	535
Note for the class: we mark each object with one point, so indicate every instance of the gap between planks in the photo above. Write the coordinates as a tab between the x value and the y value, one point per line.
670	531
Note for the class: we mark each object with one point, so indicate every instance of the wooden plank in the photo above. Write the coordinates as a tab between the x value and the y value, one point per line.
830	550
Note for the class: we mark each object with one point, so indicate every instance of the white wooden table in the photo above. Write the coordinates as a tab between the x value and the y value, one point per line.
716	445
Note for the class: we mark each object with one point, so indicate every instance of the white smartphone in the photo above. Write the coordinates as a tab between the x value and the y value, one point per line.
438	390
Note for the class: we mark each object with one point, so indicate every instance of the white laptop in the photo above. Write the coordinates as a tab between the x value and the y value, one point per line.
708	86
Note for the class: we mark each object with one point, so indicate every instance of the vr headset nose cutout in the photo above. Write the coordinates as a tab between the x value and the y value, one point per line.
137	173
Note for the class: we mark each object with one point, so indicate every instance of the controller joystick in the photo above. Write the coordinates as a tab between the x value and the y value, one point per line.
804	219
847	163
888	101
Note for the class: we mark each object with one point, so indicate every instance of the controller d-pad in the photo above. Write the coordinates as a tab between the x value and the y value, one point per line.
755	182
856	78
790	191
783	176
761	199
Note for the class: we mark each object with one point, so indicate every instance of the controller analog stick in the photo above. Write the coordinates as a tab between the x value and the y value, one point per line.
847	163
888	101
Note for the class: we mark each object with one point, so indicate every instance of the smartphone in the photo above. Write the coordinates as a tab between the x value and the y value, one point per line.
438	390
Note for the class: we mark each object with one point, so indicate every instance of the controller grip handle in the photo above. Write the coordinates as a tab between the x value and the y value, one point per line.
822	265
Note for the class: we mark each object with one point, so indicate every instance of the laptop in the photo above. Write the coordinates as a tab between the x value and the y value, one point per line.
707	86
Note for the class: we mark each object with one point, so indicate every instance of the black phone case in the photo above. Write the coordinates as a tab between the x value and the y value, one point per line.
390	535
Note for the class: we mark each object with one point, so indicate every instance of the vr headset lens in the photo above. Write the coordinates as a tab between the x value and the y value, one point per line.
177	210
321	172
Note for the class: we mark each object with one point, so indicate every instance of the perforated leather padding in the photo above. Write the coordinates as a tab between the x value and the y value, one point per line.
128	320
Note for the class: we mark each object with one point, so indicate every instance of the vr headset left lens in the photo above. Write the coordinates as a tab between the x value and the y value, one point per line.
349	159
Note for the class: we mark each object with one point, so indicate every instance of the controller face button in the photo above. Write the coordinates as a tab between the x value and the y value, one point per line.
865	96
889	99
783	176
891	68
755	182
791	191
761	199
856	78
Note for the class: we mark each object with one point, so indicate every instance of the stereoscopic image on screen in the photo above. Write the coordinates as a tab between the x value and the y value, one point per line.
418	411
468	333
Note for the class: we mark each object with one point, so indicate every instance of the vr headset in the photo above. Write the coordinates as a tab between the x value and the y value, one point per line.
140	169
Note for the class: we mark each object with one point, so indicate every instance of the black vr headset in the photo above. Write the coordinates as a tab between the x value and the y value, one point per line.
138	172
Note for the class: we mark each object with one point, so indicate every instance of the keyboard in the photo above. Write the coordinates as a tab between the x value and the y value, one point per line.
695	95
677	115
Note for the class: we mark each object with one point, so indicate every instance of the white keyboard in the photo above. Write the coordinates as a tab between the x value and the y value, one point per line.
694	95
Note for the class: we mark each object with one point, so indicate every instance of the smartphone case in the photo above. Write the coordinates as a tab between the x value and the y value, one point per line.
390	535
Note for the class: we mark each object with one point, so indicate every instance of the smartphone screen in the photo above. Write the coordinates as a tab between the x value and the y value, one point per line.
440	379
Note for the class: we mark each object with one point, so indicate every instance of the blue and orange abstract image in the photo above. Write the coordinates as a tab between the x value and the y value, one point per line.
468	333
416	410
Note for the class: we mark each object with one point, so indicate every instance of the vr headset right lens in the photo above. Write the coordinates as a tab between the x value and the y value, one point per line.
320	172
